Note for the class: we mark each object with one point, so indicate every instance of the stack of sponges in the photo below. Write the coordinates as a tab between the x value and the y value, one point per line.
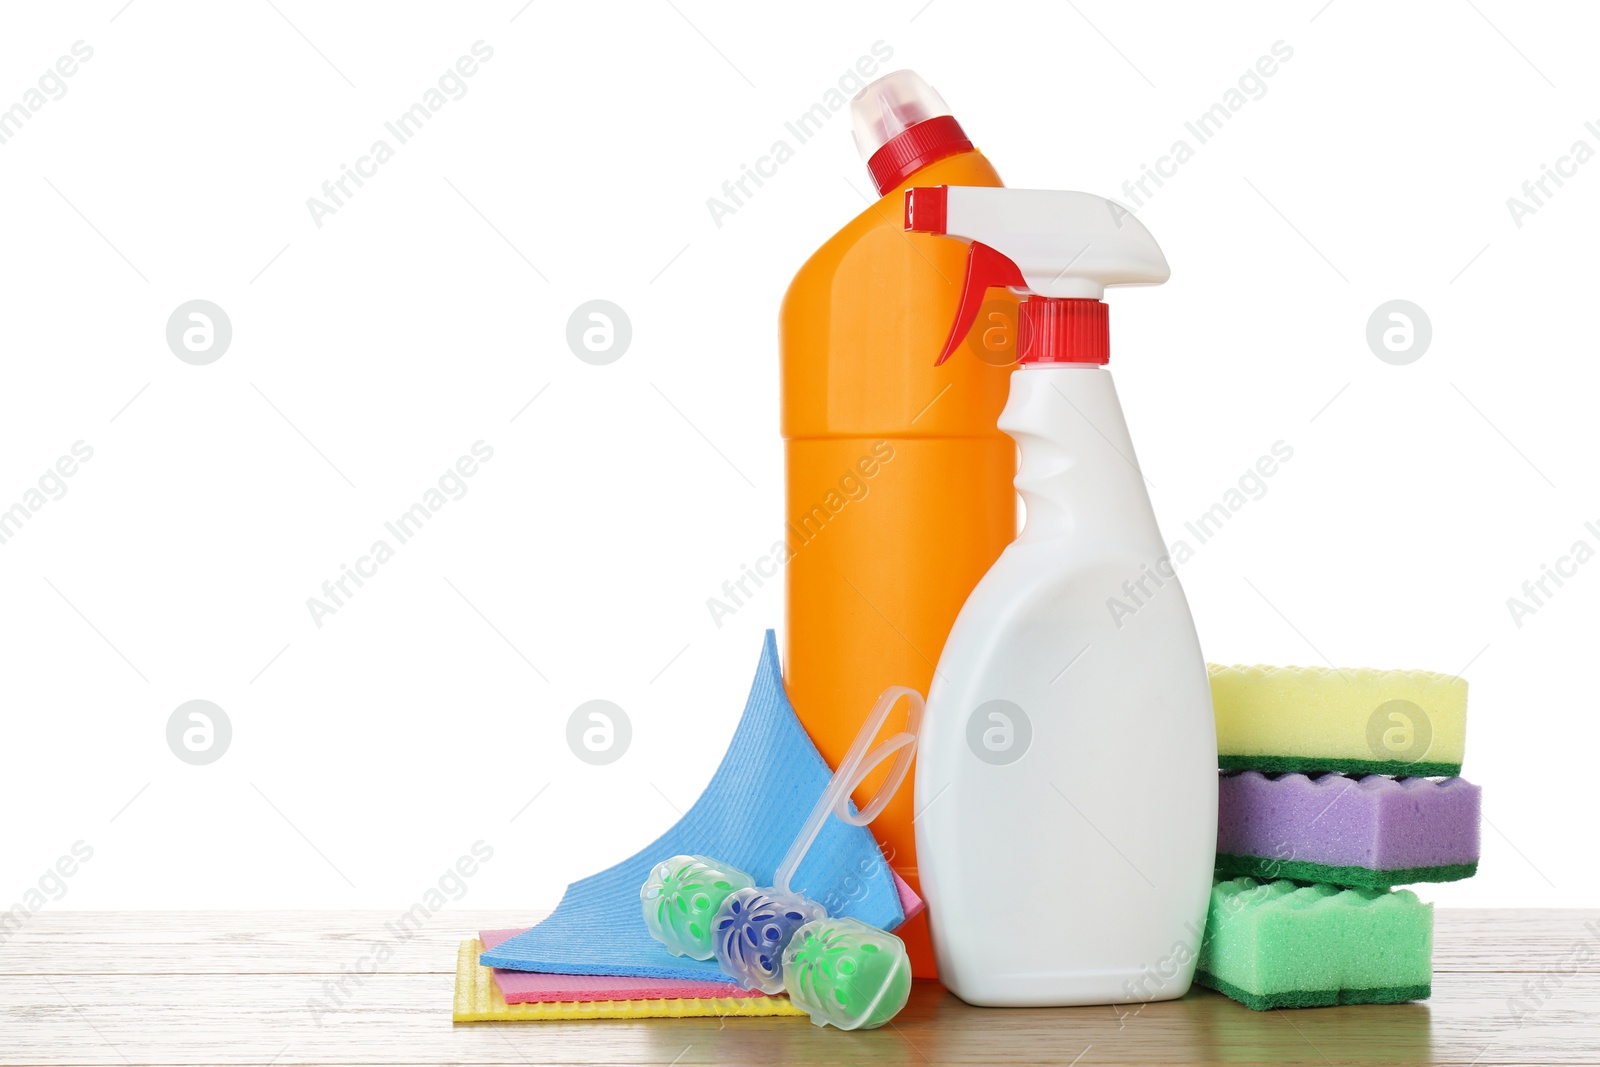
1333	790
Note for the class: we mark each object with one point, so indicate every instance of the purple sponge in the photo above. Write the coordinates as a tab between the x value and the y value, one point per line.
1370	832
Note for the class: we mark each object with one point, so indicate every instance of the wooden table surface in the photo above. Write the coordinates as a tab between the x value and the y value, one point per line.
1510	987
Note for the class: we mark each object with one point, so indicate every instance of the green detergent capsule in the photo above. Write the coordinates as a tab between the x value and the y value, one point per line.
846	973
681	897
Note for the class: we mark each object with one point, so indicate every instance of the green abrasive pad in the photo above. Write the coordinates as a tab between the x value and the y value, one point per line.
1314	998
1341	764
1265	867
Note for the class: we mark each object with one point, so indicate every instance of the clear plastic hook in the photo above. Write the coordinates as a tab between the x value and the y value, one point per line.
853	770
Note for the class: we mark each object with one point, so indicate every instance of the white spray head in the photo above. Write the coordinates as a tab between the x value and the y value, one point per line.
1065	244
1048	244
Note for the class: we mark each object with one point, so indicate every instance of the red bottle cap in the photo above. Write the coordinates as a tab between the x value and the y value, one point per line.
914	148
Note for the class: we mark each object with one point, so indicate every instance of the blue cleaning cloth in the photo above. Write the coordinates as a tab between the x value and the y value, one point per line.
767	784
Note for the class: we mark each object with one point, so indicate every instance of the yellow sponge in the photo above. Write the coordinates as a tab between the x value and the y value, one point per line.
1356	721
478	1000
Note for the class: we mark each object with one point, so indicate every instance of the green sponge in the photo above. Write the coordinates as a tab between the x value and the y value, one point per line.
1356	720
1281	945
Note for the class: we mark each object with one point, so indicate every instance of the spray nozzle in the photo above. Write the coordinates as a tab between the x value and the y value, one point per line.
1062	249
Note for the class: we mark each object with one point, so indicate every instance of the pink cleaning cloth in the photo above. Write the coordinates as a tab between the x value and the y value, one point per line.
910	903
531	987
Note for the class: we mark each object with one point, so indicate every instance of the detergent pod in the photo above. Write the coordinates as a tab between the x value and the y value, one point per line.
680	898
846	973
753	928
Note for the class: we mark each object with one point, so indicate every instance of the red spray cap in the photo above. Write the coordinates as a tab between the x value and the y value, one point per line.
1057	250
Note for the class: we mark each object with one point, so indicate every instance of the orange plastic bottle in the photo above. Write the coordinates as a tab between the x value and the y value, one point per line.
899	482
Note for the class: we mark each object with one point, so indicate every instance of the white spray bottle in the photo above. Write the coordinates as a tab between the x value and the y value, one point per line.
1066	783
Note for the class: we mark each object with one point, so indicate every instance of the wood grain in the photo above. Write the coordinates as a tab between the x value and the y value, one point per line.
262	988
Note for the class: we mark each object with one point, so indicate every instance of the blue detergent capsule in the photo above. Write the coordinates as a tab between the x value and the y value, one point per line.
751	930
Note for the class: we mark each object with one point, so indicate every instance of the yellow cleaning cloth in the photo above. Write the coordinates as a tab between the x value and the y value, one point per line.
1355	720
478	1000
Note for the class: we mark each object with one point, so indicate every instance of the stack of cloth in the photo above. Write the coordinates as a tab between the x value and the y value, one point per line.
1336	786
593	958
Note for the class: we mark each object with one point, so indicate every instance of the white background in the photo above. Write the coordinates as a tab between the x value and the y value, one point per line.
368	354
